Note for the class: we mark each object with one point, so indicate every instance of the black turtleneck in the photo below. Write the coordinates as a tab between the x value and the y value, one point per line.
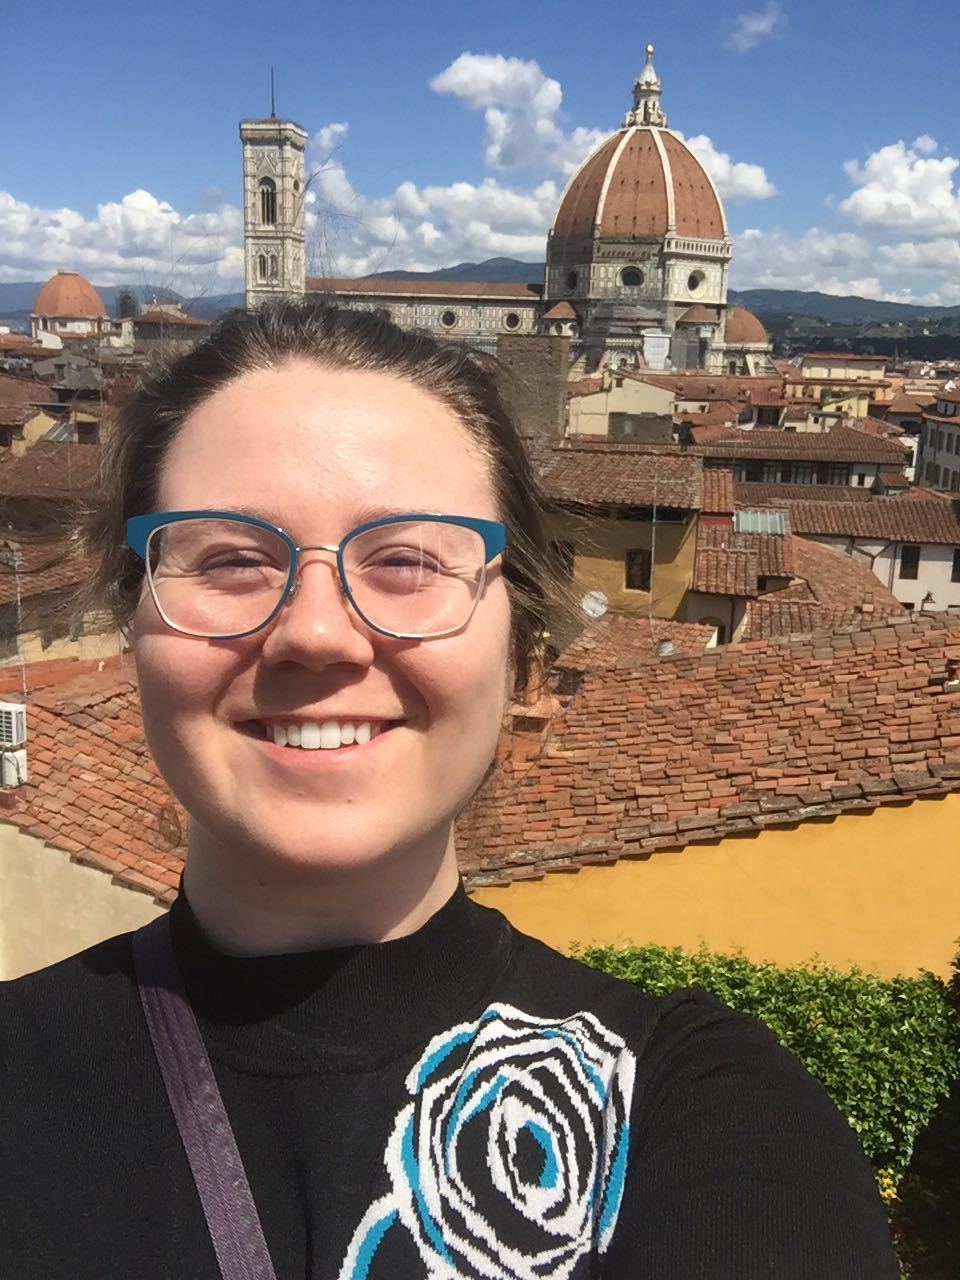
460	1102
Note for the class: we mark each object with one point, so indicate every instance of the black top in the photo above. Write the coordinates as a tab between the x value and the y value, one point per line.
460	1102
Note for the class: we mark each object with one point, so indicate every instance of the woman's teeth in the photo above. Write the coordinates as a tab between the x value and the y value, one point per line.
310	735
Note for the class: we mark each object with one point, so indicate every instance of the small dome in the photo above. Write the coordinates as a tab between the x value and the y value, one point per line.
744	329
643	181
699	314
69	296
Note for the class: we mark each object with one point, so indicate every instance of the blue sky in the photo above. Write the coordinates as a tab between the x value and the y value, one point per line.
444	130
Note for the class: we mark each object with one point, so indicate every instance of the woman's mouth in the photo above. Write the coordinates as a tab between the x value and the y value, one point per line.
318	735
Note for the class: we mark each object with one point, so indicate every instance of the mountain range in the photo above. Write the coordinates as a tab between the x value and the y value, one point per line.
17	298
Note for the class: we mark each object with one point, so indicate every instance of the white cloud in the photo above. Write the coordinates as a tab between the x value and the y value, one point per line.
735	180
905	187
136	240
753	28
520	105
843	263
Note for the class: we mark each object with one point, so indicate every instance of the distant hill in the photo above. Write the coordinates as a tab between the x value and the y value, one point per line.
492	271
17	299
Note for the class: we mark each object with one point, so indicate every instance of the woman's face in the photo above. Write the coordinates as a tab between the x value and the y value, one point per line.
318	452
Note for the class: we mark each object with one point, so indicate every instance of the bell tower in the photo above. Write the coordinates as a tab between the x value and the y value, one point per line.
273	208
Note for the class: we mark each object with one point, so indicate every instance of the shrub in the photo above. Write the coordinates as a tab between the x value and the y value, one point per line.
886	1050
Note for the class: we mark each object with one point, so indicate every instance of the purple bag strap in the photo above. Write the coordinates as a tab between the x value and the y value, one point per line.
211	1148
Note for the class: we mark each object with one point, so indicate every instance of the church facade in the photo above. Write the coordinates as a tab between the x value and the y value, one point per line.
636	260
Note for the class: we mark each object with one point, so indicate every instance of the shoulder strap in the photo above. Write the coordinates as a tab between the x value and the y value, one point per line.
211	1148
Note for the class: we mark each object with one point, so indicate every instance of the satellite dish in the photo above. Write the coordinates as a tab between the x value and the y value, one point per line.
594	604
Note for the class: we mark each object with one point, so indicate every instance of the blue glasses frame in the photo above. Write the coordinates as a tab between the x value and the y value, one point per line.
140	528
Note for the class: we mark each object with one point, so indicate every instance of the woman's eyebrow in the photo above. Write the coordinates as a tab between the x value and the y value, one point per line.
361	516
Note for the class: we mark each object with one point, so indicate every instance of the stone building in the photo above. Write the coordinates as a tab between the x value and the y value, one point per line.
67	306
636	260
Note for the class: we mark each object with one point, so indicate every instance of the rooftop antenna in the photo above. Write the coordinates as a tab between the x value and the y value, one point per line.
273	104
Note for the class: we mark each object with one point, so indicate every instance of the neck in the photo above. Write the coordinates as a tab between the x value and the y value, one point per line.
252	907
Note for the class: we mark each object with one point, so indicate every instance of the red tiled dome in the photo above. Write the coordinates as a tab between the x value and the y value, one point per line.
642	181
69	295
742	326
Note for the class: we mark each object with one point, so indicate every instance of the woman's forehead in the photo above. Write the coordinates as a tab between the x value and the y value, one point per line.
300	432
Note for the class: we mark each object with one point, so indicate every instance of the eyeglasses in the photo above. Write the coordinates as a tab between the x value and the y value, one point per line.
221	575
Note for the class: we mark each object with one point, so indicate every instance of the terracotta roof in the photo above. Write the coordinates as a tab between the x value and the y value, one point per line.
712	386
69	296
733	740
620	641
94	790
712	425
560	311
587	386
616	477
888	519
721	570
875	427
951	397
428	288
840	444
20	398
830	590
621	190
743	327
170	319
902	403
42	568
718	491
50	470
699	314
748	494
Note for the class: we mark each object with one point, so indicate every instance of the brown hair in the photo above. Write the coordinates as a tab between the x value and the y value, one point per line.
470	383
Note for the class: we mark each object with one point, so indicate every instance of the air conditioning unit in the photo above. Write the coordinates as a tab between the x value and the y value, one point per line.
13	725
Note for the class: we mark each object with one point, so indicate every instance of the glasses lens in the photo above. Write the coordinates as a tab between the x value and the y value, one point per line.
415	578
216	577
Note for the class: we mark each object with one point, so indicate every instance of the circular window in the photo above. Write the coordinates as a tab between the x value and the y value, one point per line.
694	281
631	277
572	279
448	319
511	320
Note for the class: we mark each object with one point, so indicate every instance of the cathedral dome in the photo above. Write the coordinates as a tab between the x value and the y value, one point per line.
643	181
69	295
742	328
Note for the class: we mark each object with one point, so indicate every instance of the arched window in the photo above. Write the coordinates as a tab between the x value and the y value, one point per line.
631	277
274	273
268	202
262	266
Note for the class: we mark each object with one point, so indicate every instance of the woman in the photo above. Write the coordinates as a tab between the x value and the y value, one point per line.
333	578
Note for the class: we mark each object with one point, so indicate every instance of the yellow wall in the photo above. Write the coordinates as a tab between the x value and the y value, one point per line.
880	890
825	370
601	545
588	415
98	644
34	429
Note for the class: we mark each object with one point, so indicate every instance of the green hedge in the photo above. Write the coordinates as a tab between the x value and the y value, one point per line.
887	1051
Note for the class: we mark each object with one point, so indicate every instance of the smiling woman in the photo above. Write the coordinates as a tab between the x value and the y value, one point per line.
325	541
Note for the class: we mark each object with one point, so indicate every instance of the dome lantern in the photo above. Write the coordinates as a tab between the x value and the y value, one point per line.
646	97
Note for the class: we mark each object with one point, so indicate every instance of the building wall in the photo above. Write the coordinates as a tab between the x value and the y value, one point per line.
599	565
878	890
588	415
53	908
939	457
535	387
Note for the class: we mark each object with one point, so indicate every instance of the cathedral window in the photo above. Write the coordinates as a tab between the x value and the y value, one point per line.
274	272
571	279
631	277
694	281
262	266
511	320
448	319
268	202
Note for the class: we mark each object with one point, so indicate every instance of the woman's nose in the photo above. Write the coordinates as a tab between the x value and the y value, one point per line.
316	625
